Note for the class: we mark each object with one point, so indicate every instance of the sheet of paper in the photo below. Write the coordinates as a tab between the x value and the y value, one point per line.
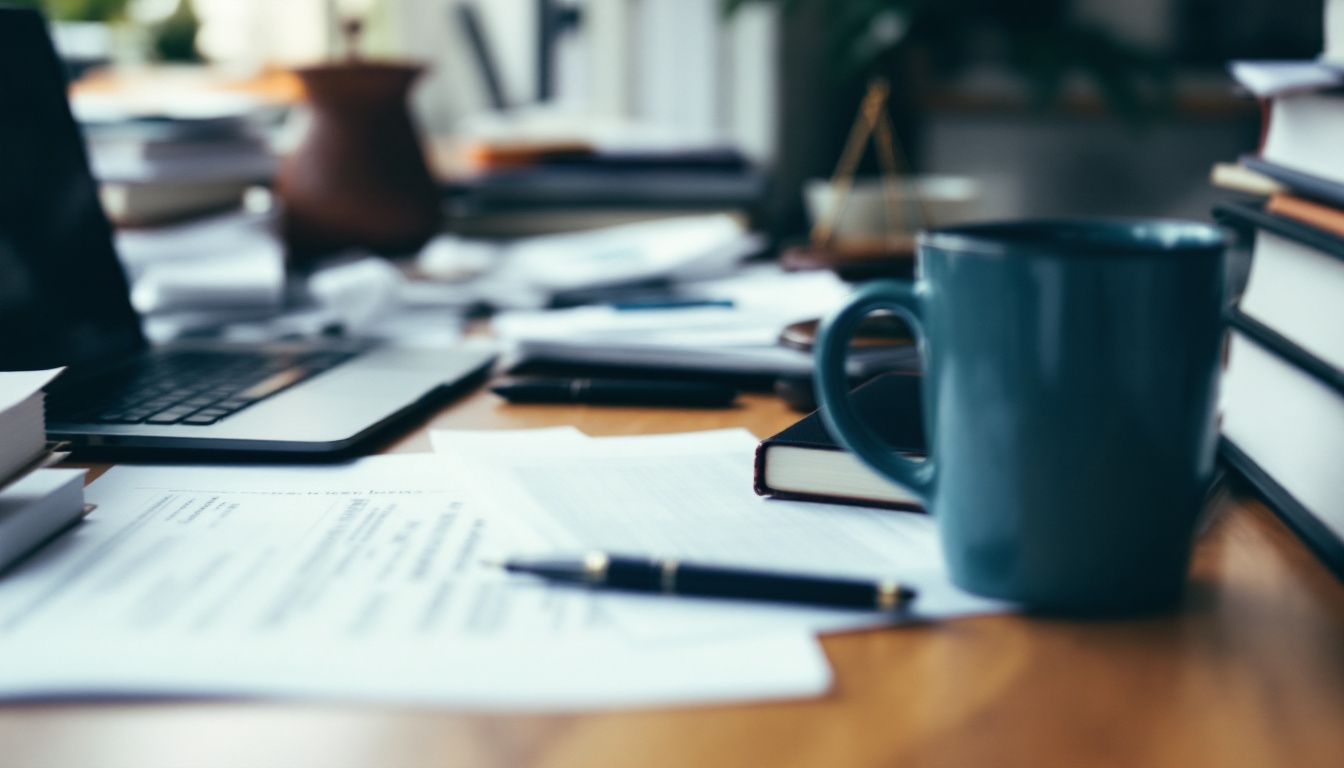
628	253
363	581
446	440
763	301
230	283
689	496
222	264
740	336
1266	79
17	386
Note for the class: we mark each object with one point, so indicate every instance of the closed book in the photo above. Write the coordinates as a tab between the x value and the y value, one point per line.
540	188
557	220
24	431
804	462
256	167
1296	282
1239	178
1302	133
1323	217
1283	429
1304	183
23	437
35	508
149	204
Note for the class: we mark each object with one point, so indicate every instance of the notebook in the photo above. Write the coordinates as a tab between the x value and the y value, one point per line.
804	462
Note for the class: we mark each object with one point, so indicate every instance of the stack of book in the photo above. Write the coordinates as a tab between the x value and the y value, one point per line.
160	163
36	502
1283	391
527	188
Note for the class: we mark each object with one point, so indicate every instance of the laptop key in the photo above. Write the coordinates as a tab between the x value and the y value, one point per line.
170	416
201	420
274	383
198	389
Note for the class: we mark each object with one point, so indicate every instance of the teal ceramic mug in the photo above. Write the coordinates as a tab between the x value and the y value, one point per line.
1070	377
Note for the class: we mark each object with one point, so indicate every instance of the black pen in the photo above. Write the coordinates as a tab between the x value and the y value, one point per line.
673	577
686	394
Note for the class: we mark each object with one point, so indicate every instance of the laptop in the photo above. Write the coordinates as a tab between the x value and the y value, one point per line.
64	301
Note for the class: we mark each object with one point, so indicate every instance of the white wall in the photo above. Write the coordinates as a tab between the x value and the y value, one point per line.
427	30
253	33
675	64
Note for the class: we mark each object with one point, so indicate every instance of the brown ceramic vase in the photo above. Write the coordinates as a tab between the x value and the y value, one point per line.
359	178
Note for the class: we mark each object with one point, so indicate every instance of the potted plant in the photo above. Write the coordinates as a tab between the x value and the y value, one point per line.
90	33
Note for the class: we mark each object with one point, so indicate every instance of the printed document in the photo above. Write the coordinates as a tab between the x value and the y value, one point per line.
689	496
365	580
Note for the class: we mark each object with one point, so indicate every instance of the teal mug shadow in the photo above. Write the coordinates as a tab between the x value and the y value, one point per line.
1069	394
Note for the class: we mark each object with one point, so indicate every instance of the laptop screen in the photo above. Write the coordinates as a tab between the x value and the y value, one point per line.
63	296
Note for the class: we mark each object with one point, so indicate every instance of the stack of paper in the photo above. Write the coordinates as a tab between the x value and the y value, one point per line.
22	419
594	265
737	333
165	154
35	503
225	276
203	274
1265	79
35	507
374	580
363	581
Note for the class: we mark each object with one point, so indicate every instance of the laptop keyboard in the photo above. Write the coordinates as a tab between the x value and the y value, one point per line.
199	388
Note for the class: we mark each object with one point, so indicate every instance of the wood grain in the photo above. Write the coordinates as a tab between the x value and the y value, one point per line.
1250	672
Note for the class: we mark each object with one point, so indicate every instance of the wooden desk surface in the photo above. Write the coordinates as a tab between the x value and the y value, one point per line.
1249	673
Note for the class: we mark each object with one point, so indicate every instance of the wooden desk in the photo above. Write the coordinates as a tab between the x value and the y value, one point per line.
1249	673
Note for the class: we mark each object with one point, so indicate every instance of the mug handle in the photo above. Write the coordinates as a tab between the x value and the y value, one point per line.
832	381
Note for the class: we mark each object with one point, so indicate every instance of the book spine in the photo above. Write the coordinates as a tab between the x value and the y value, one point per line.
758	483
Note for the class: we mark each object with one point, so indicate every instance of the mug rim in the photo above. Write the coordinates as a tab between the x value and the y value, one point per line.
1078	237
